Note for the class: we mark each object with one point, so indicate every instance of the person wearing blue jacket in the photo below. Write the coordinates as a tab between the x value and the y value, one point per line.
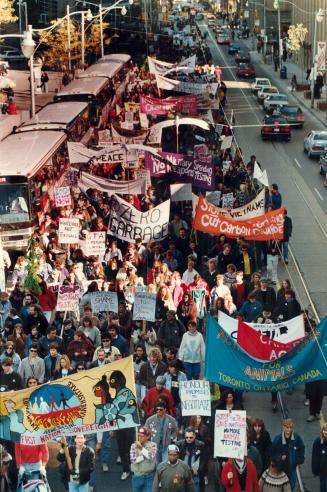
251	309
319	458
288	450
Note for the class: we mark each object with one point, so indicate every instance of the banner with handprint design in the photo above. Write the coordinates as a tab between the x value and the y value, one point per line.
99	399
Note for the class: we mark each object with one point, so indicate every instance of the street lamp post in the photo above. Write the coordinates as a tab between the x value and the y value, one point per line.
280	42
319	17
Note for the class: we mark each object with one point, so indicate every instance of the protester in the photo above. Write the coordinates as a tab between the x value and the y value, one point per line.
173	474
319	457
143	461
82	461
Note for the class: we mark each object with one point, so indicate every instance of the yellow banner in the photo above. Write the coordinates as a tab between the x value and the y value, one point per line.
98	399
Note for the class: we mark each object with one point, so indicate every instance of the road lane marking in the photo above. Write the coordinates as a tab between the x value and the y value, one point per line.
309	207
321	197
297	162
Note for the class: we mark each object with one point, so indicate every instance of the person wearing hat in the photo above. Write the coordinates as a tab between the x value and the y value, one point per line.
153	395
173	474
143	461
163	429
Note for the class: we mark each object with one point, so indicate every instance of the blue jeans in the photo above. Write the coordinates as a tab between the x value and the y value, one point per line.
77	487
323	484
192	370
105	448
162	455
285	250
142	483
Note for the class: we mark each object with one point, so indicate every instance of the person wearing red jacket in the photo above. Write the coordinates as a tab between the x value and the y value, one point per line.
80	349
47	300
239	475
31	459
154	394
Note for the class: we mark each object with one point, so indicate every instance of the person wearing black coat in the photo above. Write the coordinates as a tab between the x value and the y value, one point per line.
319	458
210	275
262	441
192	452
266	295
290	308
287	231
82	460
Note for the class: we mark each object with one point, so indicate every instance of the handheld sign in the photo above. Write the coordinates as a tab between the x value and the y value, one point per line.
96	243
104	301
230	434
62	196
68	298
144	306
68	230
195	398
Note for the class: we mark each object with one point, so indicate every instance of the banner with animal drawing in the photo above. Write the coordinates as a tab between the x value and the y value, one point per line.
95	400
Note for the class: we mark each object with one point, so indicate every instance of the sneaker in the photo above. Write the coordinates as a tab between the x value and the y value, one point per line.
105	467
286	262
318	416
118	460
206	481
311	418
125	475
306	403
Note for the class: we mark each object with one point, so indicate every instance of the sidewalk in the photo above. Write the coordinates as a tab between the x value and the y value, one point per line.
285	85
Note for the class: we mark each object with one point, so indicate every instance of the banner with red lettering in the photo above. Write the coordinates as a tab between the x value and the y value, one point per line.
259	346
208	219
155	106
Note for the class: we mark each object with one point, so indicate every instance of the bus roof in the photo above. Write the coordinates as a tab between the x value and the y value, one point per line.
56	116
107	66
23	154
84	86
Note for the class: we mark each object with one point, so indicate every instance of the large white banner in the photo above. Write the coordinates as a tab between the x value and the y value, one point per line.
285	332
128	223
230	434
144	306
134	187
158	67
68	230
187	87
195	398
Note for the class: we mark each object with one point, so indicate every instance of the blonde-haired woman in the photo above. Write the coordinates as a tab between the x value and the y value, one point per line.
319	457
152	369
63	367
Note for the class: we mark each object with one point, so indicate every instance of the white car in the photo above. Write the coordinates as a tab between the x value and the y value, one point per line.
274	101
266	91
259	83
315	143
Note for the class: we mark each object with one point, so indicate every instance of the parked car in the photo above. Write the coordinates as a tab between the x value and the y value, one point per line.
245	70
274	101
275	128
242	57
323	165
293	115
259	83
12	55
233	48
315	143
266	91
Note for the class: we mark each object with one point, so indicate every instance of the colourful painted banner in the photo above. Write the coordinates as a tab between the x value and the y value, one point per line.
263	228
302	364
94	400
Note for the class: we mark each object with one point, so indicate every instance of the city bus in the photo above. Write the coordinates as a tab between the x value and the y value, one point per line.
71	117
32	165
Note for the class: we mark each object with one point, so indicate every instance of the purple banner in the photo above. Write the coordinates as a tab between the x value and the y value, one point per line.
184	169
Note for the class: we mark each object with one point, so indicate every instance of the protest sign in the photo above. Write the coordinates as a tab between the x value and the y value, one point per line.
62	196
209	219
104	301
144	306
214	197
144	120
68	230
132	106
143	173
129	117
104	399
181	168
195	398
260	346
95	243
284	332
230	434
128	223
234	368
181	192
226	142
227	200
68	298
136	186
104	137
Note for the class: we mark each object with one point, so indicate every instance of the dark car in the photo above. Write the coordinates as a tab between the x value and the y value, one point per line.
293	115
323	165
245	71
275	128
233	48
242	57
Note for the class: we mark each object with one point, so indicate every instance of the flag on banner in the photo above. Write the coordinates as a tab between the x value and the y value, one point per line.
260	175
100	399
259	346
209	219
284	332
302	364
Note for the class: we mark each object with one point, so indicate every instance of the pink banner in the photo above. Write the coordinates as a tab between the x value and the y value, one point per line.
155	106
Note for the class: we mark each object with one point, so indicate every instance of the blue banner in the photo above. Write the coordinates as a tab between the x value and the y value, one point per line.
227	364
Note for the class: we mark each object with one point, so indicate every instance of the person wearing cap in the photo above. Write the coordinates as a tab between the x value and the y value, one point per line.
171	330
153	395
111	353
173	474
143	461
163	429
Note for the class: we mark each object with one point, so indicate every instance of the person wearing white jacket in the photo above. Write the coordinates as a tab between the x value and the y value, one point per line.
192	351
